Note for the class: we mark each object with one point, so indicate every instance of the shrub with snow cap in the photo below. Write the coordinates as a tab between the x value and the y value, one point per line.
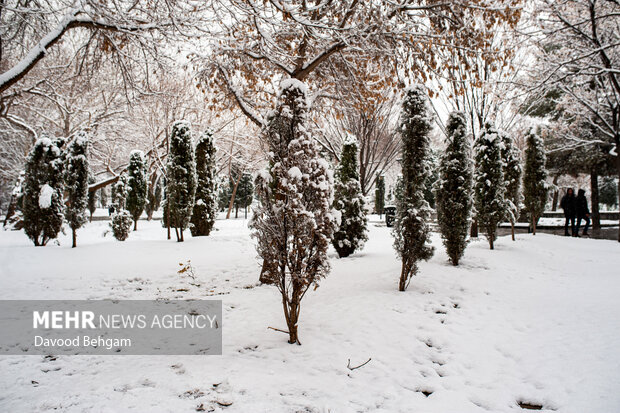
453	192
42	203
411	229
76	183
349	201
205	206
293	224
136	185
121	224
489	187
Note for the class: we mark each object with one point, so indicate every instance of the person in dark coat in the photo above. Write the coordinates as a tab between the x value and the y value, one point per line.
569	205
582	212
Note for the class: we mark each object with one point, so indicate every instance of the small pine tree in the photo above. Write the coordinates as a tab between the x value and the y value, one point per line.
205	206
181	178
92	198
511	157
411	230
76	183
380	194
245	194
136	185
42	203
119	192
293	224
121	224
535	178
224	191
489	188
349	201
453	193
608	192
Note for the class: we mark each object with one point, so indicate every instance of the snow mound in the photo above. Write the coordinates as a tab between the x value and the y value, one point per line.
45	196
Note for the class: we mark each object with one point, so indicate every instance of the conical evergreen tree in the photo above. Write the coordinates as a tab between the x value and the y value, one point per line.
245	194
42	203
349	201
92	198
76	183
411	229
181	178
454	190
293	224
489	187
535	178
205	206
153	197
380	194
136	185
119	192
511	157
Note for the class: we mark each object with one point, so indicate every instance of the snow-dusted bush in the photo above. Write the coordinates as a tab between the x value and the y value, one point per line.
511	157
535	178
76	183
205	205
349	201
293	224
121	224
181	178
489	185
453	194
42	204
411	229
136	185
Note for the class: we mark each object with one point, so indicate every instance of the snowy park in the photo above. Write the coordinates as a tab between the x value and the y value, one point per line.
309	206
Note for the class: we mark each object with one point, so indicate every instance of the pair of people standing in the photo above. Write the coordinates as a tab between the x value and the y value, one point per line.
575	208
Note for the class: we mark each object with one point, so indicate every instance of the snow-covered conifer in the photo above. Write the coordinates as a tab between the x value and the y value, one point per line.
92	198
181	178
205	205
136	185
511	157
411	229
453	194
535	178
245	193
489	185
350	235
293	224
153	197
119	192
121	224
380	194
76	183
42	203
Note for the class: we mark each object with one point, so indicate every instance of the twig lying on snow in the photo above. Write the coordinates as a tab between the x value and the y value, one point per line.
277	329
357	367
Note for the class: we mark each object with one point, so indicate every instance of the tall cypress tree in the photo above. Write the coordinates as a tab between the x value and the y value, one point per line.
489	187
453	193
119	192
136	185
511	157
205	205
535	178
76	183
293	224
380	194
180	177
411	229
42	203
348	199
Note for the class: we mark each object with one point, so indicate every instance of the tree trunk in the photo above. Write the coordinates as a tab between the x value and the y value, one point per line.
181	231
246	212
534	225
512	229
491	242
556	193
473	231
168	220
595	213
232	197
402	283
176	230
74	235
291	313
90	219
618	192
135	224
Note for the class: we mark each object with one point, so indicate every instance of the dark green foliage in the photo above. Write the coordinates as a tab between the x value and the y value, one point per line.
154	197
411	230
42	203
535	176
92	197
136	186
119	192
349	201
431	179
245	193
511	158
608	192
205	206
121	224
76	183
223	194
489	187
181	178
454	188
380	194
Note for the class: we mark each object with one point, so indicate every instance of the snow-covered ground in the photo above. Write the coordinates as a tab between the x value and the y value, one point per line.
534	321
